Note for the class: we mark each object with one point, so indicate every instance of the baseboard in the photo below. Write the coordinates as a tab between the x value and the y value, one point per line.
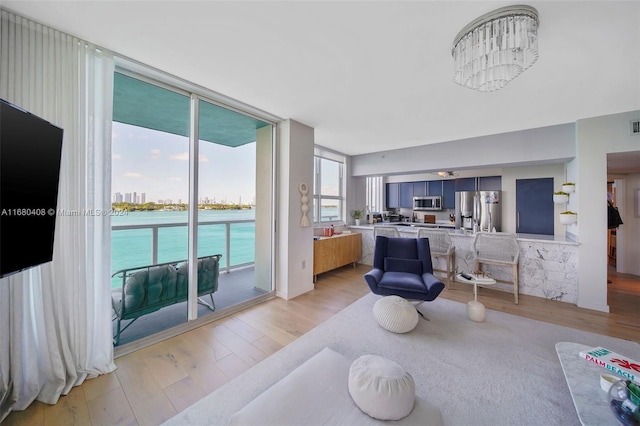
593	306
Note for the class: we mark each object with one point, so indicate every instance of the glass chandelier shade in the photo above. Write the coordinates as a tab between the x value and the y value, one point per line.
495	48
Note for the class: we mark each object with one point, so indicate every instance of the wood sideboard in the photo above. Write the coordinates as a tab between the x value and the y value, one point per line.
333	252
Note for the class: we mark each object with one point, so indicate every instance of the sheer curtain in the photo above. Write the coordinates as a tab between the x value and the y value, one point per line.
55	325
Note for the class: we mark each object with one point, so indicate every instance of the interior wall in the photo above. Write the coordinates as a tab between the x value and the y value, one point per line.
294	266
526	147
356	196
595	137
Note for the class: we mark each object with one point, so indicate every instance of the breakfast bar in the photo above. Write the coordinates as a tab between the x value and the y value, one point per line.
548	264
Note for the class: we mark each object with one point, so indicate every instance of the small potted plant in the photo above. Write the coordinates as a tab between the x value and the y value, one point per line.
560	197
357	215
568	217
568	187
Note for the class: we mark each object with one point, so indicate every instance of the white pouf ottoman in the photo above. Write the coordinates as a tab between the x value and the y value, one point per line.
381	388
395	314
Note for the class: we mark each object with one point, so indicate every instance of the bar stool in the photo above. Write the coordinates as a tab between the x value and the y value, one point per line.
441	246
385	231
498	249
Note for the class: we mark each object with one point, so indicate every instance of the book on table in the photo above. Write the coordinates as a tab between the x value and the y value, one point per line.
616	363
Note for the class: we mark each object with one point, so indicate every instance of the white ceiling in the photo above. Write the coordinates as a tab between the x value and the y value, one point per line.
370	75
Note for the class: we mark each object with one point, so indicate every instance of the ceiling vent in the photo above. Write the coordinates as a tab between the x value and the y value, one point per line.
635	127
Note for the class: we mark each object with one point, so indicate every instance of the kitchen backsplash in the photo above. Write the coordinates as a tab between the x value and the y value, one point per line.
440	214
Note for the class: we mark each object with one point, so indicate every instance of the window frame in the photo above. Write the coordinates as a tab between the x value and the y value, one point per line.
318	197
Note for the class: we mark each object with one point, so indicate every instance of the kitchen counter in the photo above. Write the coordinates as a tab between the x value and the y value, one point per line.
411	227
548	264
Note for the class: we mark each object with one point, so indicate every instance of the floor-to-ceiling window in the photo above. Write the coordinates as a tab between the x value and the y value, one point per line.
186	185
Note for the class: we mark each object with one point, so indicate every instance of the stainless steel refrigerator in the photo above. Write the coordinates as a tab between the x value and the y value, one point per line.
478	211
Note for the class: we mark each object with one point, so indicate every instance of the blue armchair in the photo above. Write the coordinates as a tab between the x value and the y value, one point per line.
402	267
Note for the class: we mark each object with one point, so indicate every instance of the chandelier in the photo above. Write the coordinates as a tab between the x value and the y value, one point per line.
495	48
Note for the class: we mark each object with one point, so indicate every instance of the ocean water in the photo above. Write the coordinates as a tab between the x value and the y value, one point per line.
130	248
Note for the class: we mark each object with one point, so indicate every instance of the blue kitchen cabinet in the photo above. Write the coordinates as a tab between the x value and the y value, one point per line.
393	195
420	189
406	195
534	206
465	184
448	194
490	183
434	187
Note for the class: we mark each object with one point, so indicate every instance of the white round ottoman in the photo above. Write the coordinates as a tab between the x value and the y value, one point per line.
395	314
381	388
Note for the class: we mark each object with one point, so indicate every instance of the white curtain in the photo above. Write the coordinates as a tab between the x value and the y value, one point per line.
55	325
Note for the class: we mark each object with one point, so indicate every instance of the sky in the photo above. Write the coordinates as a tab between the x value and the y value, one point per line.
157	164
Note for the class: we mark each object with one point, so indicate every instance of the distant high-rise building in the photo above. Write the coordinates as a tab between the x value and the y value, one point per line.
135	198
240	200
143	197
127	197
118	197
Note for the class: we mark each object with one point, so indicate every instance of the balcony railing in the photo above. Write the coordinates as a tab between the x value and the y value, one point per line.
226	255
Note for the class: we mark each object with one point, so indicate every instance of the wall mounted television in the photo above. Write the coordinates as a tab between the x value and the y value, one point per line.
30	155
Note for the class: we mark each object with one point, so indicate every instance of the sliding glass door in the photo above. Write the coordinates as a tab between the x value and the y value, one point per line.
233	221
193	185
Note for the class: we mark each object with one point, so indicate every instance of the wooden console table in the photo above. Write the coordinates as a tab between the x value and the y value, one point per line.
333	252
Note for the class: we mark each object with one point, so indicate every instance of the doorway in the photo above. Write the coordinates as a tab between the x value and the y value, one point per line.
623	289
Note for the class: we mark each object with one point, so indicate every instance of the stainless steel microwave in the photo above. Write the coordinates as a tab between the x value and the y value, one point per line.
427	203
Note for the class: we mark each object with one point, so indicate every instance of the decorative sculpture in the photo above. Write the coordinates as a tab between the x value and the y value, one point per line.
305	204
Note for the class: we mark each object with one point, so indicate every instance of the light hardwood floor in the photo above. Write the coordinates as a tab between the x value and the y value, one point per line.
153	384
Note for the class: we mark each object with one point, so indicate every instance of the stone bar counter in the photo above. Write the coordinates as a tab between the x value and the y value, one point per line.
547	265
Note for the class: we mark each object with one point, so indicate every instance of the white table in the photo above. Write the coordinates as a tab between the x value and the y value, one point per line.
476	310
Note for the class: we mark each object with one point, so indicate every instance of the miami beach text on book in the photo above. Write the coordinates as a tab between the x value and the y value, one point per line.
612	361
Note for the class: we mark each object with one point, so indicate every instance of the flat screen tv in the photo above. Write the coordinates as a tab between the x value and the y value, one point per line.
30	154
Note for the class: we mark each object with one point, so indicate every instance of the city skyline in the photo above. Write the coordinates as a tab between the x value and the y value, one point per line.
135	198
154	163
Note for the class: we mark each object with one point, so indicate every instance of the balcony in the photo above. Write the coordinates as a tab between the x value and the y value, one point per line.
236	282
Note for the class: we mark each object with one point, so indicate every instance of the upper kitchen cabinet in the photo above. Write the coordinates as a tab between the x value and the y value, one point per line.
406	195
465	184
393	195
434	187
490	183
400	195
420	189
448	194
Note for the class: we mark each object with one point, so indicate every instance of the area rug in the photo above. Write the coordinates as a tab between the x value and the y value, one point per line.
504	371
